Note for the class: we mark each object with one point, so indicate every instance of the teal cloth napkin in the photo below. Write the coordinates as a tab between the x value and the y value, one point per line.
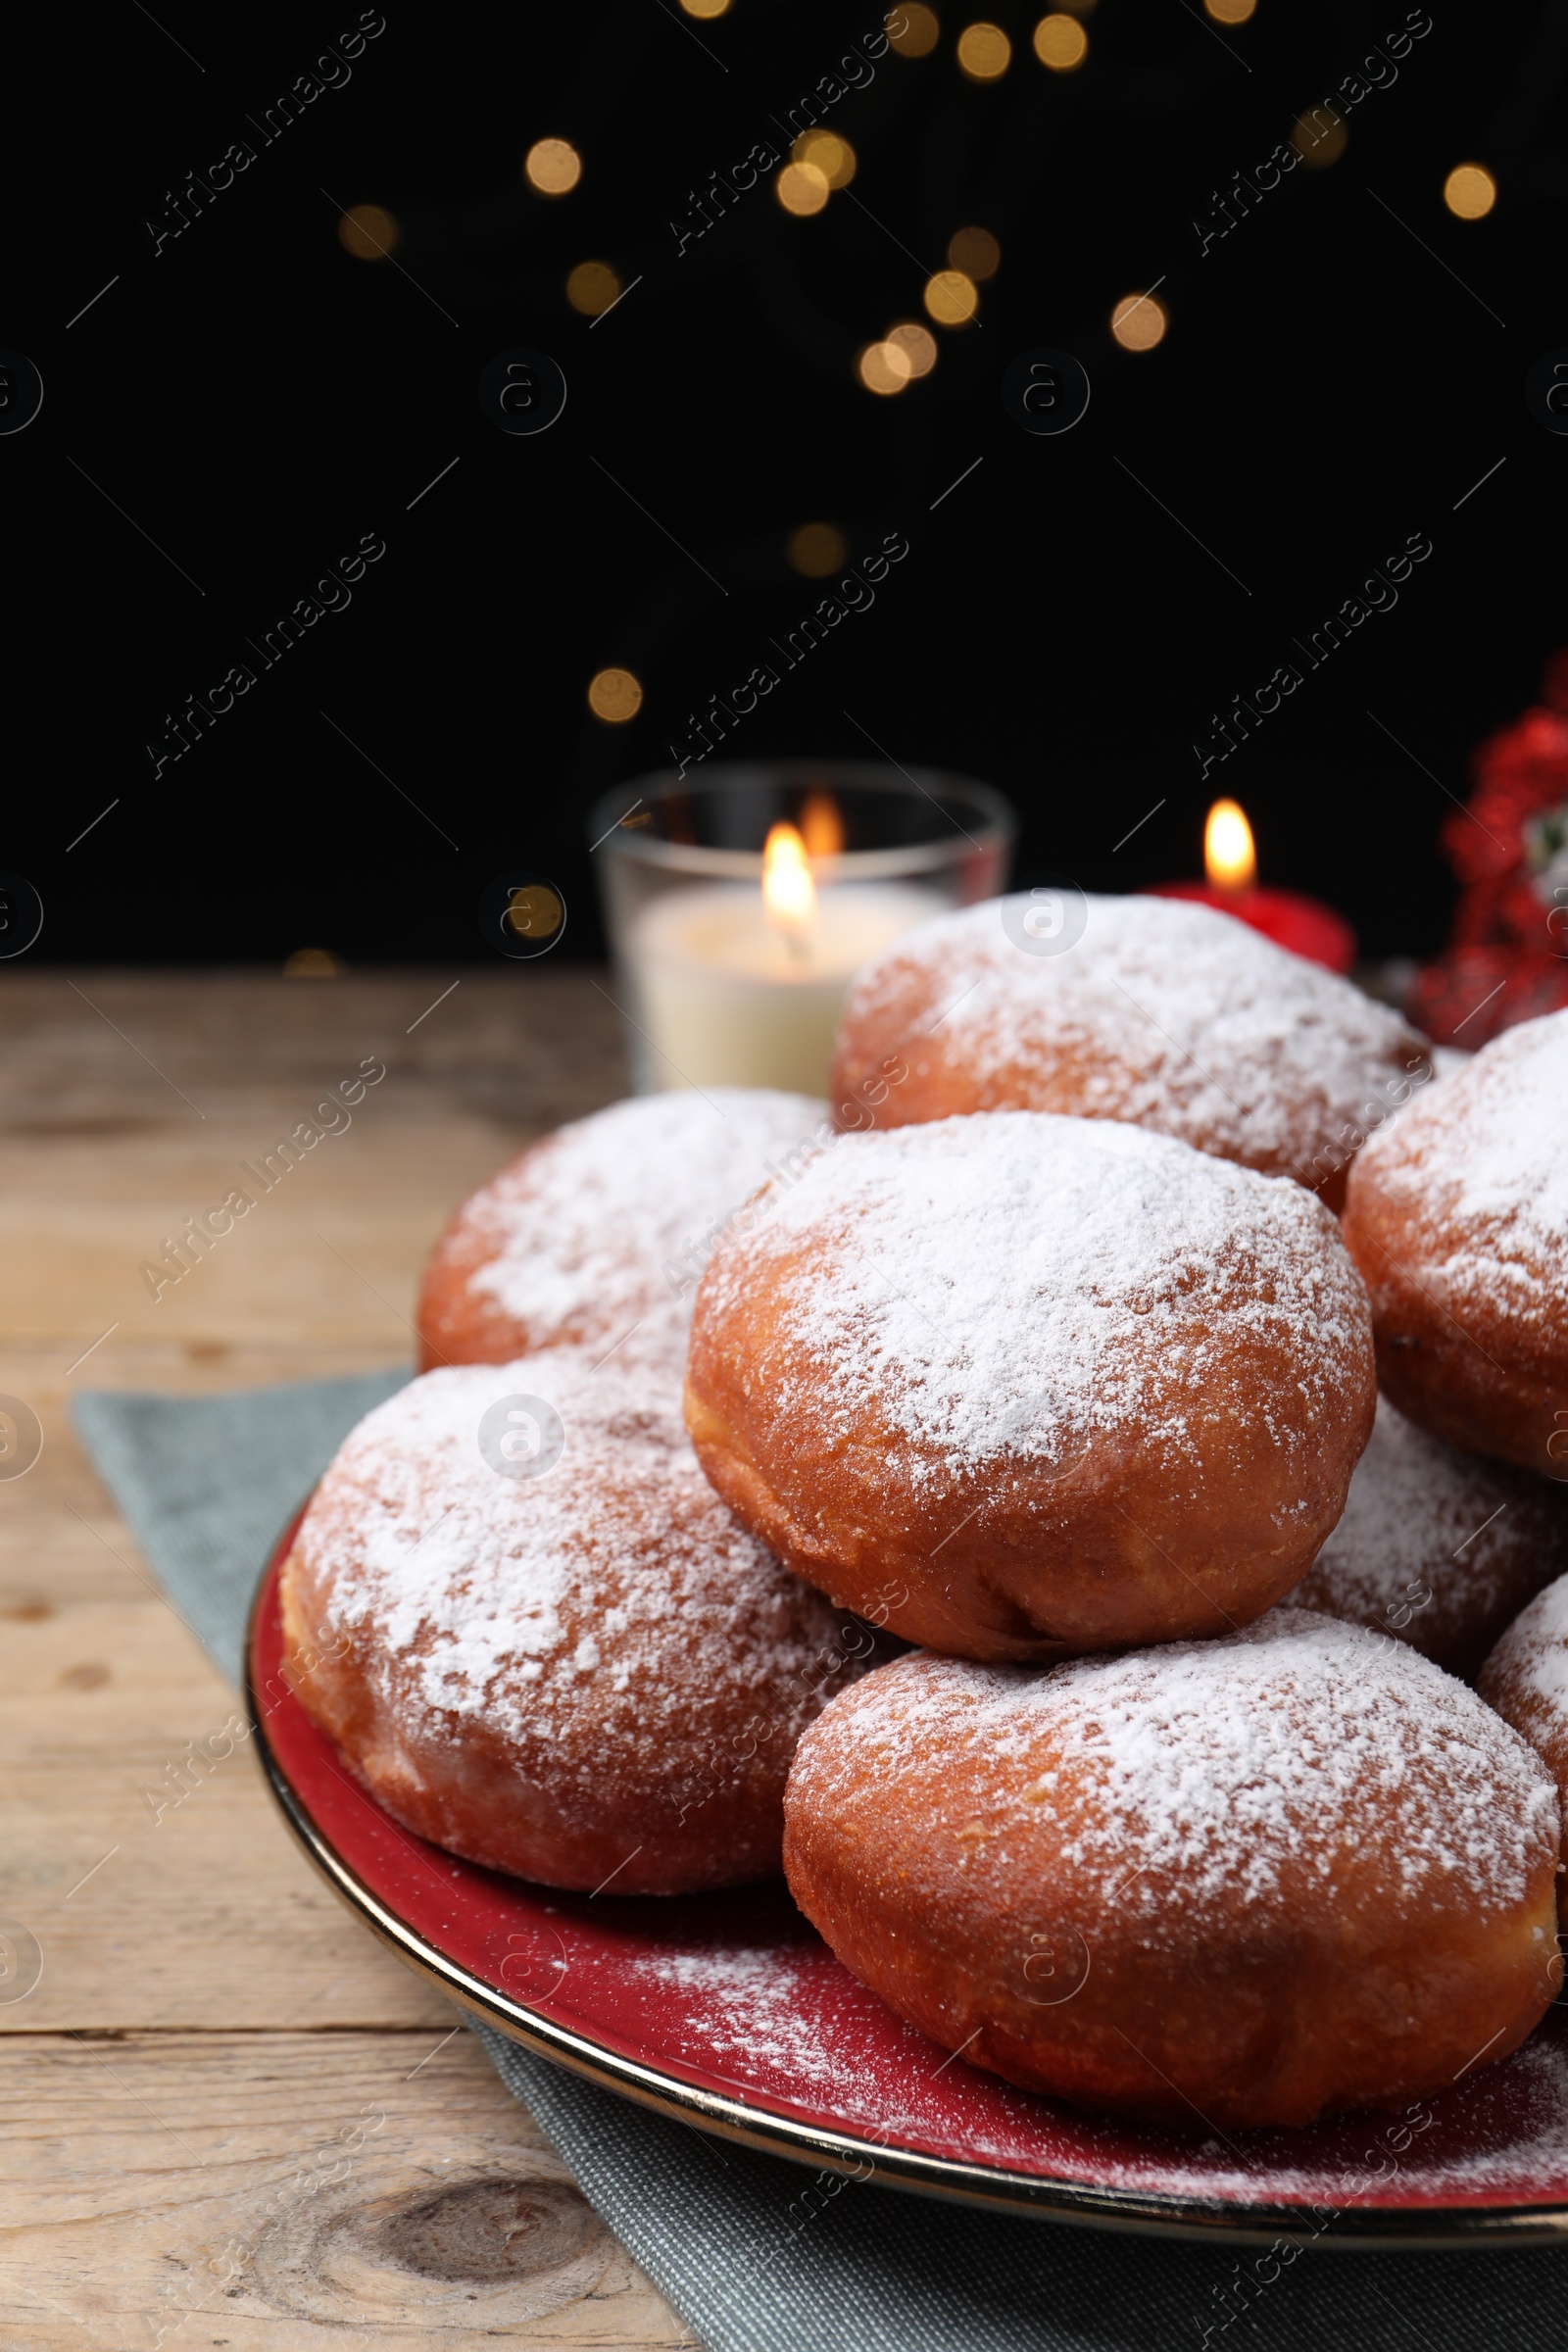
757	2254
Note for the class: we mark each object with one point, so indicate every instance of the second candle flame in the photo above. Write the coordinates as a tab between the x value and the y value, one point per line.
1229	858
789	894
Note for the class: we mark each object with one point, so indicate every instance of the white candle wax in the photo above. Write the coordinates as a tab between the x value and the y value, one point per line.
727	1000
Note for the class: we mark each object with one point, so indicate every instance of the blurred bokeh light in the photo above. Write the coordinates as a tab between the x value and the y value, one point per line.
951	298
883	367
913	32
828	153
553	166
592	288
984	52
1319	137
369	233
817	549
1139	321
917	344
614	696
1469	192
1060	42
801	189
975	252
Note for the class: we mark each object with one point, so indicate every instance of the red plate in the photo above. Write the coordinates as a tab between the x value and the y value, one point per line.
729	2012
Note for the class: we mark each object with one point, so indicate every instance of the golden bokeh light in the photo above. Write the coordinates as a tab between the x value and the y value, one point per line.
801	189
832	155
592	288
1469	192
1139	321
951	298
614	696
883	367
984	52
313	963
917	33
975	252
369	233
1319	137
1060	42
917	344
553	166
706	10
817	549
1230	12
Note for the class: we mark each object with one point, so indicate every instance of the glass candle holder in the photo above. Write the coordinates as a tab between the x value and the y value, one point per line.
741	903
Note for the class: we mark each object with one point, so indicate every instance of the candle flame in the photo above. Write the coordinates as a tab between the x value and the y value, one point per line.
1229	858
822	826
788	895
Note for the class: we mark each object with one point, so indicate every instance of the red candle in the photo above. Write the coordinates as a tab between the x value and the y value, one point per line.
1286	916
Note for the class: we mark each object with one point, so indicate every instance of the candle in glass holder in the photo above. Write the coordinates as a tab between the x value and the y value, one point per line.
1286	916
740	986
741	902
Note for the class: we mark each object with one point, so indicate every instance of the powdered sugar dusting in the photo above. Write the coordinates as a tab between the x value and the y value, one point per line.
1219	1769
1166	1013
751	2007
1014	1283
1481	1167
609	1222
1531	1665
788	2026
1543	1628
1426	1530
616	1584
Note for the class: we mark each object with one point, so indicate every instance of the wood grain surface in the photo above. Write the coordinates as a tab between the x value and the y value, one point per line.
230	2117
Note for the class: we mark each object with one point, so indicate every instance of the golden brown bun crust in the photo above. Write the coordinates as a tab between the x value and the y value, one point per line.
1017	1387
1241	1883
1526	1679
587	1671
595	1236
456	1323
1457	1216
1440	1549
1161	1012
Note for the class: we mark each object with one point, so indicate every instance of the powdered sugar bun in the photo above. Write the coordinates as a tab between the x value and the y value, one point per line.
1457	1216
1440	1549
1526	1679
1161	1013
1016	1384
593	1670
596	1236
1245	1882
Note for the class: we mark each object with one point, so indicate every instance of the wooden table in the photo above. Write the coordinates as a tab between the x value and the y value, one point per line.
210	2025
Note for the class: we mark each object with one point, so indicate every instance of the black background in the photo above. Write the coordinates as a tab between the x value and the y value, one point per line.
255	400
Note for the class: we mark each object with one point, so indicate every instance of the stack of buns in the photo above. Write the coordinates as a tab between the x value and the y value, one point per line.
1223	1784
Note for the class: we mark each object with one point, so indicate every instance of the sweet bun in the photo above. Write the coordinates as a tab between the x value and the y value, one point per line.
596	1236
1526	1679
583	1674
1245	1882
1441	1550
1148	1010
1457	1216
1018	1385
